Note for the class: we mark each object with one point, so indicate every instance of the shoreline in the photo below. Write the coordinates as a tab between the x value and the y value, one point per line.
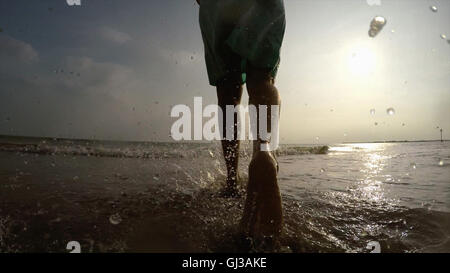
92	141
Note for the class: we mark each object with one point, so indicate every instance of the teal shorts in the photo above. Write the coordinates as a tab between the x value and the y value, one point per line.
238	32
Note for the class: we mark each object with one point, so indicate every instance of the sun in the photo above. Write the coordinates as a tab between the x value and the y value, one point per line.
361	61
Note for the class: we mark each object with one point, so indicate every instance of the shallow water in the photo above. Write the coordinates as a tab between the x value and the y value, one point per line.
396	194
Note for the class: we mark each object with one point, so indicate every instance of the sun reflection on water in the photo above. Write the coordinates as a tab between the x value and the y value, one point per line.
374	160
369	175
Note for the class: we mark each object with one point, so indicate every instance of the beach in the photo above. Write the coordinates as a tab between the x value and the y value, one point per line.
163	197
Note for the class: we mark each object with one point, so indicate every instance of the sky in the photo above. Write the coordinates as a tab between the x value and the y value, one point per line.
112	69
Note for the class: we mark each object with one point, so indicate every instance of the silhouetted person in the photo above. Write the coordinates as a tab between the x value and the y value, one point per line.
242	41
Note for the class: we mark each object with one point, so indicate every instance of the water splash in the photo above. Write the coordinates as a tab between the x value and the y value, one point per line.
443	36
433	8
376	25
372	112
441	162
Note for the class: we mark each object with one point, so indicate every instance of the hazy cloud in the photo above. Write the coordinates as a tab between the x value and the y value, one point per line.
16	50
100	77
114	36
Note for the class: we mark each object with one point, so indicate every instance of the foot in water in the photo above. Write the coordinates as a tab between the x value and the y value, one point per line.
262	218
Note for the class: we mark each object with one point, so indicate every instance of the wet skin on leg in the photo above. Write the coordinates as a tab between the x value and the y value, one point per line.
229	92
263	210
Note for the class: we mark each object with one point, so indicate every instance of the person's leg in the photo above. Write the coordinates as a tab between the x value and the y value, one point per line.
262	91
262	216
229	92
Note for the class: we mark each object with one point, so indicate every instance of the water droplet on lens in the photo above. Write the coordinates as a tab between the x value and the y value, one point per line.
433	8
376	25
115	219
390	111
372	112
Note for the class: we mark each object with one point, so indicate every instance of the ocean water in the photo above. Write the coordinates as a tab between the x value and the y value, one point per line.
397	194
414	175
136	196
